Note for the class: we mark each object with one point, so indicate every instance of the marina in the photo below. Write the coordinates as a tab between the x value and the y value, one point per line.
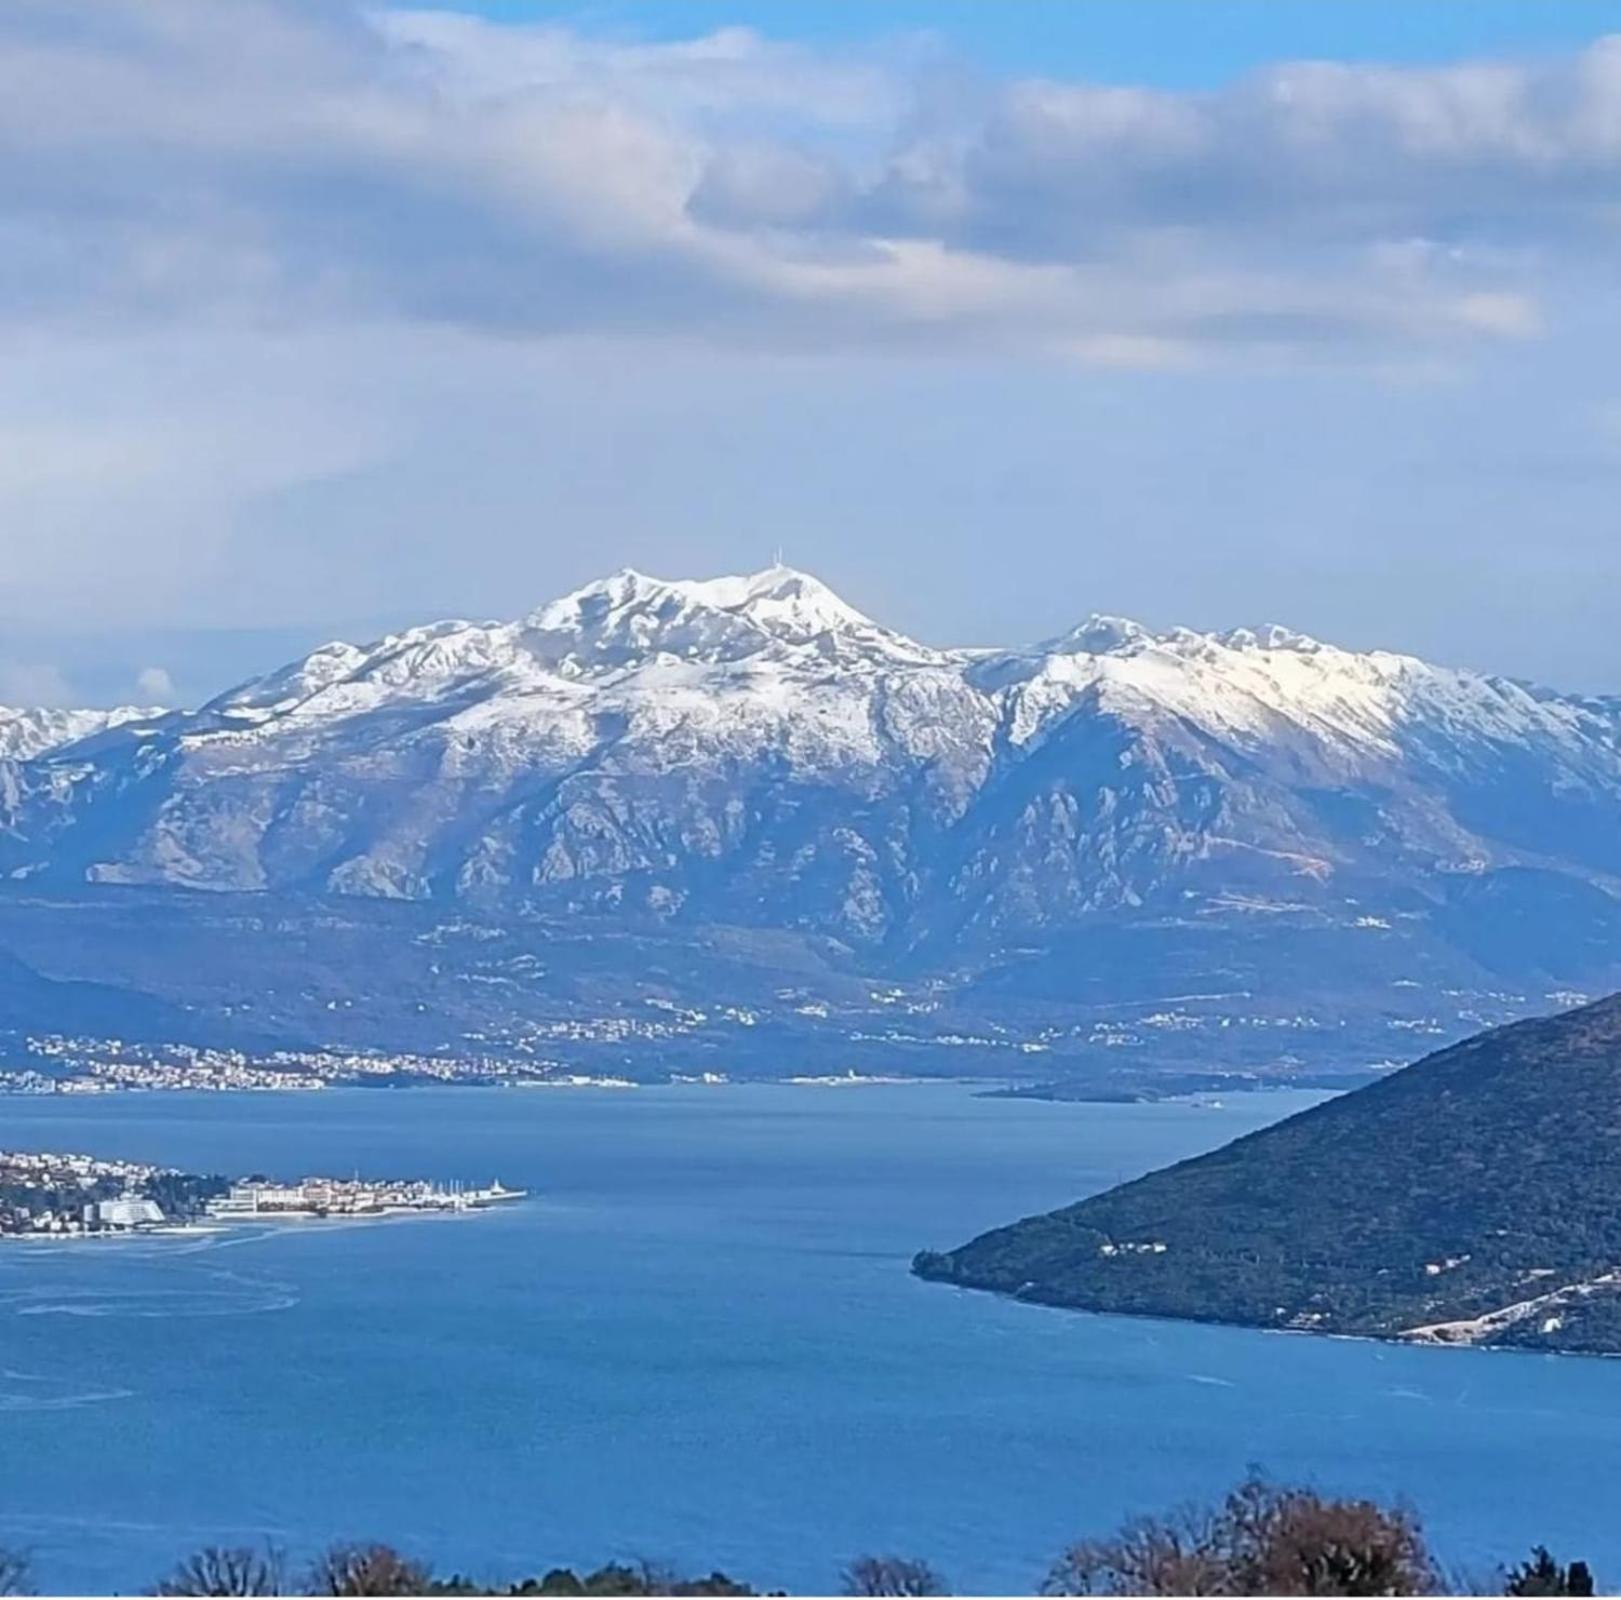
339	1197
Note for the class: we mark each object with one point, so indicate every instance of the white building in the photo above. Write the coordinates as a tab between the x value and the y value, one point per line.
247	1198
130	1211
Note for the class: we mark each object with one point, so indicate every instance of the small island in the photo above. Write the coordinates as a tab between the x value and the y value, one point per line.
46	1194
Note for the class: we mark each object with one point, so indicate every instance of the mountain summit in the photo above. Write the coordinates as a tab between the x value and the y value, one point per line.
752	751
629	616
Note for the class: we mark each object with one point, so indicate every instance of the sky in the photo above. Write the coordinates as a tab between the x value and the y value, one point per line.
318	321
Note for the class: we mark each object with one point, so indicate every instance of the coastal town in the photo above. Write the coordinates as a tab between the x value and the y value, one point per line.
68	1064
49	1194
353	1197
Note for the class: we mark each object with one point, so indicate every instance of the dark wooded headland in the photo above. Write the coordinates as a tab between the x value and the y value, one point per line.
1469	1198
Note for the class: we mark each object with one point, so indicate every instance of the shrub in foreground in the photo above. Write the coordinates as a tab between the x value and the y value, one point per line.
1260	1540
892	1575
15	1570
367	1569
380	1569
617	1578
1542	1575
228	1570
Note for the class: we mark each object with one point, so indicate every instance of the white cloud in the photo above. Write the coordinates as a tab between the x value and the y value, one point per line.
314	315
154	686
309	162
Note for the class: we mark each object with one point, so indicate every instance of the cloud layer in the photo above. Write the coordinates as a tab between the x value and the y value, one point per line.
319	320
300	160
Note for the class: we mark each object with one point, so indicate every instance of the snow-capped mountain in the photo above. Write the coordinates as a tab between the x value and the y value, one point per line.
26	732
753	751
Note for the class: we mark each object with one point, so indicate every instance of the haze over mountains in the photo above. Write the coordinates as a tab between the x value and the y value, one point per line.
1110	815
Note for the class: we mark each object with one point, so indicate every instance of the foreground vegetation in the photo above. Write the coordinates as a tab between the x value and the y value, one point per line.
1261	1539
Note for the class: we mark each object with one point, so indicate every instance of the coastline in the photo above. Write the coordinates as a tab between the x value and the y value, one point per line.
1400	1341
984	1086
290	1220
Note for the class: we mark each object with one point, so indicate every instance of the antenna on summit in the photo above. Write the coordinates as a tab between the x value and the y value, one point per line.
776	557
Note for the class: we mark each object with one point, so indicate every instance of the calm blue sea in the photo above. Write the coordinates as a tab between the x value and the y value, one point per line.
700	1344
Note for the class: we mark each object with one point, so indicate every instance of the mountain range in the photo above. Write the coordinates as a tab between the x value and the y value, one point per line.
1111	815
1469	1199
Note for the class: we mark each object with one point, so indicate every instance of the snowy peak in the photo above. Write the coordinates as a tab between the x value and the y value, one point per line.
1104	635
628	626
1270	636
1271	686
751	750
779	598
35	731
1100	635
777	656
293	684
629	616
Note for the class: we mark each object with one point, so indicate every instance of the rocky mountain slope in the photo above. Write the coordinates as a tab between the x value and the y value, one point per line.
1470	1198
752	750
1249	827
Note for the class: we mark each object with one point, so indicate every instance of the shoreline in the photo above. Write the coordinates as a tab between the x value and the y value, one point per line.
106	1235
984	1087
614	1087
1388	1340
230	1225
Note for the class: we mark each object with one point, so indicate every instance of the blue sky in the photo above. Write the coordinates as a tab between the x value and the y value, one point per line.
319	321
1173	43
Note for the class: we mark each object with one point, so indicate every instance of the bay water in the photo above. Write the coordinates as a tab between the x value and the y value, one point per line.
698	1343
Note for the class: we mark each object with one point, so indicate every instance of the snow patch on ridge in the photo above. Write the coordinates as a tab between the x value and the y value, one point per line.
615	747
27	732
1253	685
